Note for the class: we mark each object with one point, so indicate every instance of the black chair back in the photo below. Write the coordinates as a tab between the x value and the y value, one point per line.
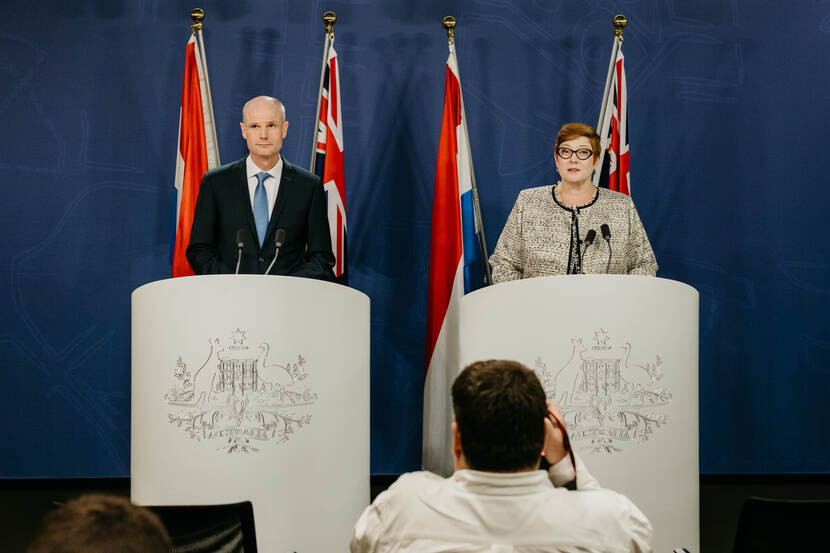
210	528
776	525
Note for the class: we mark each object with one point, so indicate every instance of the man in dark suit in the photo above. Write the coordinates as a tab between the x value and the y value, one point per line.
259	195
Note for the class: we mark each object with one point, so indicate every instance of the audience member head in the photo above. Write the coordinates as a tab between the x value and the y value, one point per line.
98	523
500	408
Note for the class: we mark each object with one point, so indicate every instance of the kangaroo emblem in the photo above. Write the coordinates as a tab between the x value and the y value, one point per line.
205	378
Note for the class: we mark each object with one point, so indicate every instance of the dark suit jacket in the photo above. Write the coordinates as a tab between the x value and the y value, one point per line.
224	207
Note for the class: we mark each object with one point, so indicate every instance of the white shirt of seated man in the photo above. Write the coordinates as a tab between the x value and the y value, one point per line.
528	511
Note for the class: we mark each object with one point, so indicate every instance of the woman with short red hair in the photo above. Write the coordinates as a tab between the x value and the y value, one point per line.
572	227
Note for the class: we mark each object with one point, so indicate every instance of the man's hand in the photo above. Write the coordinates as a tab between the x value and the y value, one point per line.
555	447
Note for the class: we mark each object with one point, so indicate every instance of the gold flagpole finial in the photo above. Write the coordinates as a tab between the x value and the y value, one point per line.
329	18
197	15
619	24
449	24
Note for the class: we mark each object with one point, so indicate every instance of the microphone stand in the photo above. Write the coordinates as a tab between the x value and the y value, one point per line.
606	235
239	244
589	240
280	238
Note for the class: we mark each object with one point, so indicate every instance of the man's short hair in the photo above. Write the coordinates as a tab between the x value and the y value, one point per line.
280	106
97	523
500	407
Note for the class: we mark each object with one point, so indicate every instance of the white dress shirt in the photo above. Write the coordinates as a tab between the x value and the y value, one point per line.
522	512
272	184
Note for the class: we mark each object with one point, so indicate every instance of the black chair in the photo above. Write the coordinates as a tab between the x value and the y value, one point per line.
210	528
781	526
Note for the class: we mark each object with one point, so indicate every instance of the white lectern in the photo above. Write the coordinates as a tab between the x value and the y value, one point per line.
254	388
619	355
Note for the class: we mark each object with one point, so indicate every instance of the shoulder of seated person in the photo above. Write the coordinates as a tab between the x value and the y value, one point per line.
411	483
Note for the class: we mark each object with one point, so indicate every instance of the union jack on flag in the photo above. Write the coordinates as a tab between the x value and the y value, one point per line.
613	132
329	162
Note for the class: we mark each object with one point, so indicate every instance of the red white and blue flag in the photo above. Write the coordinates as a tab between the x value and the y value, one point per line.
197	149
613	132
453	247
329	162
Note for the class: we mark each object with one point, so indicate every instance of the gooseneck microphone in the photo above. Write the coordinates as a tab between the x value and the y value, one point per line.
606	235
240	243
278	241
589	239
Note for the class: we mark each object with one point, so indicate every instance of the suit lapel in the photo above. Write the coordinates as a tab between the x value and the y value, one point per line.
284	191
243	196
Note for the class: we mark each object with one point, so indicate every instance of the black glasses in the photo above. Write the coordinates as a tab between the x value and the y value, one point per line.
582	153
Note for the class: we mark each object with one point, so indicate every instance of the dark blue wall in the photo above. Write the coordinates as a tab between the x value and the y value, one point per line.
728	107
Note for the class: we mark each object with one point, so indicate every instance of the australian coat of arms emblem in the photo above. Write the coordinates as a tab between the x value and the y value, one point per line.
606	397
239	398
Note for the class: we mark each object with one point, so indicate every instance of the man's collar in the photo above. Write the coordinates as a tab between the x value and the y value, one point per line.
252	169
502	483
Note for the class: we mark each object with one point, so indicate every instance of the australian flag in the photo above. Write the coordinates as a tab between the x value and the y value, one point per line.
329	162
613	132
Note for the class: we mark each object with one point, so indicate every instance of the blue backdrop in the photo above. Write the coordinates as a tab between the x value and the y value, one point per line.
728	104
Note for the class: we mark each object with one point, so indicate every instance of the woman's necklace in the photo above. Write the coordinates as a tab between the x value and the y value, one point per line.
580	199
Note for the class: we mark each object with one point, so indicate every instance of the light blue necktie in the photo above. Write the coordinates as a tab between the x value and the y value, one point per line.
261	207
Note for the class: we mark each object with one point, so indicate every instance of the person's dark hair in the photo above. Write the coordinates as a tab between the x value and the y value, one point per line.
97	523
500	407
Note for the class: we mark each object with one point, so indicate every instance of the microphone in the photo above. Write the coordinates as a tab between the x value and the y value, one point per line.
606	232
240	243
589	239
606	235
280	238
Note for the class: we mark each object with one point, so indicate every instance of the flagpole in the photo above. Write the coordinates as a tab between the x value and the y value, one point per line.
197	16
619	23
449	24
329	19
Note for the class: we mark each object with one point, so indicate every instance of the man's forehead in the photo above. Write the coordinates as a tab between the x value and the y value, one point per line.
263	112
263	118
